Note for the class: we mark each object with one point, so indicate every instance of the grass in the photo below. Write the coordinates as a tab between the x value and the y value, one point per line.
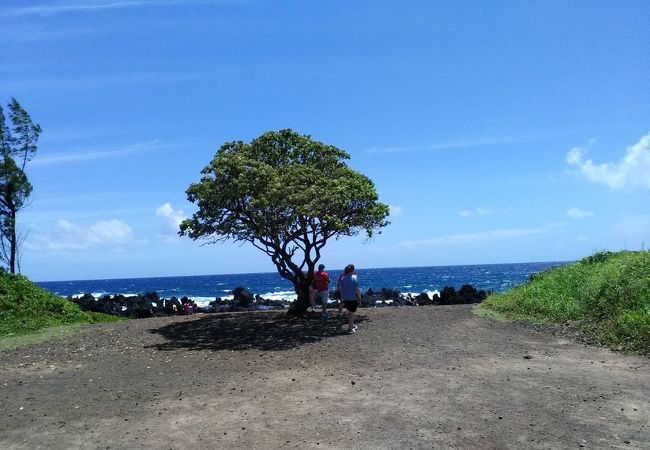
606	295
28	312
14	341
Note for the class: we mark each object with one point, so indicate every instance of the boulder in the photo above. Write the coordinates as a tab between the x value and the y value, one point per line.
173	306
423	299
242	298
86	302
466	294
154	298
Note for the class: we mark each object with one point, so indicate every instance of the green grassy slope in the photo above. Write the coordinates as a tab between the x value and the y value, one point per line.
606	295
26	308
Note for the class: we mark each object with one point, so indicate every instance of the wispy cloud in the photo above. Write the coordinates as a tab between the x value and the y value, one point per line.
172	219
34	32
105	153
467	213
464	239
635	229
98	82
68	235
633	171
449	145
395	210
99	6
575	213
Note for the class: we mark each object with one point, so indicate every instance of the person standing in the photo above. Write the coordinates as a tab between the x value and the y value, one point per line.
338	290
322	286
351	295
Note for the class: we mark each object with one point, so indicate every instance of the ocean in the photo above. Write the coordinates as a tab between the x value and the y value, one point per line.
205	288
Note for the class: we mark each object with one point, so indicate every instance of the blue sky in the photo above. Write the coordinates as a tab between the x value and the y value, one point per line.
497	131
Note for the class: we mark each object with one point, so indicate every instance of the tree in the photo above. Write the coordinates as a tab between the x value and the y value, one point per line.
287	195
17	147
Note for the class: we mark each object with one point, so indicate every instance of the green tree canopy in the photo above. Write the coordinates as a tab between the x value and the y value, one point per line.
286	194
17	147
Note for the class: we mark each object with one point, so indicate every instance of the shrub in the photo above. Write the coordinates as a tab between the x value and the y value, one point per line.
606	295
25	307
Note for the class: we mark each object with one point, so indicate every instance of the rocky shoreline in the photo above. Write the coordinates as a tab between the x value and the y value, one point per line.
151	305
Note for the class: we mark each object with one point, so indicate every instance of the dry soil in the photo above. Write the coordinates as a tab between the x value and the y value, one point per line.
411	377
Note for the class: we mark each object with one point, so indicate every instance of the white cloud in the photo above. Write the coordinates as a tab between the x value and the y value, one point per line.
172	219
575	213
467	213
633	171
395	210
477	238
71	236
111	231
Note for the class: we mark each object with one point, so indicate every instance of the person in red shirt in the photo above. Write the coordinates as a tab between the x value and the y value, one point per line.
322	287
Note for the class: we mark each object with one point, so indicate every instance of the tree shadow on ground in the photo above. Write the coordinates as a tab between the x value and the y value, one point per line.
247	331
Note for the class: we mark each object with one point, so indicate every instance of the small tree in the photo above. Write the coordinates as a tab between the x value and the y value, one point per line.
287	195
17	147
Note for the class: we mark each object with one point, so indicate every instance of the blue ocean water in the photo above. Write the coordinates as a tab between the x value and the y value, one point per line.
205	288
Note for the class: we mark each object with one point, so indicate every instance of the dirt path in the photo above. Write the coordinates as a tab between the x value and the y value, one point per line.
427	377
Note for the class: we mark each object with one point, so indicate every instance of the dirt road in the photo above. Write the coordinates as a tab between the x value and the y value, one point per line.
412	377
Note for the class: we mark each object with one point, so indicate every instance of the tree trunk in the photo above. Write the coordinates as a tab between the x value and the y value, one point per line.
14	245
299	307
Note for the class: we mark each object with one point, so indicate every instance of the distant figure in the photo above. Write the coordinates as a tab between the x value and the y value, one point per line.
322	288
188	308
351	295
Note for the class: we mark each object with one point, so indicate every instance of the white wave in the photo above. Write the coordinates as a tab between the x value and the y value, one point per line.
429	293
102	294
280	295
94	294
204	301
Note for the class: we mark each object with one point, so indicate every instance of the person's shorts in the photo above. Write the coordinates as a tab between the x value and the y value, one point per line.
323	297
351	305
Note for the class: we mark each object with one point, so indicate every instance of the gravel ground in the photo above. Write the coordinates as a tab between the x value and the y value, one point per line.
410	378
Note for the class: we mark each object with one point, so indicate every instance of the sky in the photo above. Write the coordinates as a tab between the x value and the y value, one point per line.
501	131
